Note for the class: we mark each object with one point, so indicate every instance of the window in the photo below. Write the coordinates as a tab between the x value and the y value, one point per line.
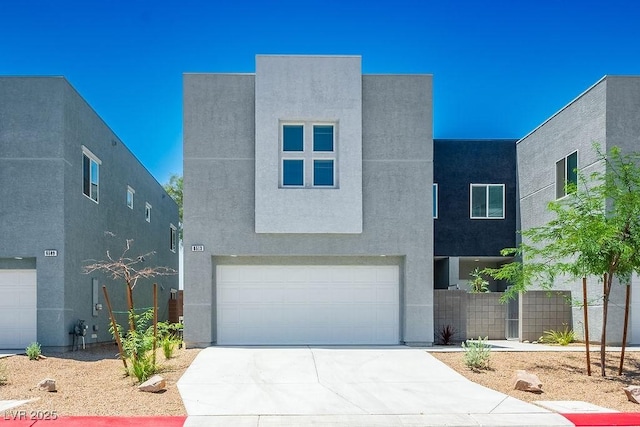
435	201
147	212
308	159
130	193
90	174
487	201
172	237
566	175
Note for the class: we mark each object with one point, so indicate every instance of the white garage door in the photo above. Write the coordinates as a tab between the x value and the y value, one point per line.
316	304
17	308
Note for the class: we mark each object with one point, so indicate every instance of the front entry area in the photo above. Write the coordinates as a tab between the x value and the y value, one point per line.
307	304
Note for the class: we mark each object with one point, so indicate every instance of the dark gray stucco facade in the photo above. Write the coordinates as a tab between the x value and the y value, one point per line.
45	127
221	170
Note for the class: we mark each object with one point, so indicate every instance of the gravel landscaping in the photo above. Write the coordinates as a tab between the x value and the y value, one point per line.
92	381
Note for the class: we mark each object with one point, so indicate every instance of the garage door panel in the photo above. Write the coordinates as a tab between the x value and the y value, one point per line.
18	308
307	304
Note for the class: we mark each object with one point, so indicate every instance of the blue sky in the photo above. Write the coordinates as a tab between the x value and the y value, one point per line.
500	67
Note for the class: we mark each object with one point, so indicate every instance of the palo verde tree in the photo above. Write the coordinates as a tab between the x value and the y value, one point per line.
595	232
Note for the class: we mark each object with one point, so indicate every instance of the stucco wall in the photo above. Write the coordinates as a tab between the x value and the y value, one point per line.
45	124
607	114
305	89
219	192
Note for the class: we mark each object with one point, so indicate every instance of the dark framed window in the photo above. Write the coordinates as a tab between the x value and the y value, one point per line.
567	175
487	201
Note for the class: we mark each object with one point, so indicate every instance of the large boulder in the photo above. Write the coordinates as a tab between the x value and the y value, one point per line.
153	385
633	393
526	381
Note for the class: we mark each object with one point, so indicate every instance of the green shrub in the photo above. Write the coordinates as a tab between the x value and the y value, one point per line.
168	346
478	284
477	353
33	351
563	337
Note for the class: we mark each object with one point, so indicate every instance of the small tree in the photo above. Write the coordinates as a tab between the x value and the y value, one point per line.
595	232
129	270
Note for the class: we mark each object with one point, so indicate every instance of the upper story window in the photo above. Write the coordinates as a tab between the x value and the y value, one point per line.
147	212
90	174
172	237
308	155
487	201
566	175
130	193
435	200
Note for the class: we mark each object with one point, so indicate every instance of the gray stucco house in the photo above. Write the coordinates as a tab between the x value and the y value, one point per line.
307	205
65	180
608	113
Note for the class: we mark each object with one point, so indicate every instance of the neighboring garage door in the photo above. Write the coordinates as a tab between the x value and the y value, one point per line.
17	308
316	304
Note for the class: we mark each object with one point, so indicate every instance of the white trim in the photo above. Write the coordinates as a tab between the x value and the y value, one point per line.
131	191
147	212
90	154
92	159
434	192
486	200
333	136
304	168
313	172
173	244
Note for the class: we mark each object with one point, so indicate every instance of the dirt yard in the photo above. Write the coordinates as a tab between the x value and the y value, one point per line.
563	376
92	381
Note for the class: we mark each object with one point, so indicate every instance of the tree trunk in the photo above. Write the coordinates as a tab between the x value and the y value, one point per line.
603	339
132	325
586	323
627	302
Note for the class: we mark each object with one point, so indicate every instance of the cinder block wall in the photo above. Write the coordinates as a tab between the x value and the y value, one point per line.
542	311
486	316
450	308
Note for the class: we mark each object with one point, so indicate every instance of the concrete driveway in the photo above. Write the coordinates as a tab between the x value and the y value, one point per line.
359	386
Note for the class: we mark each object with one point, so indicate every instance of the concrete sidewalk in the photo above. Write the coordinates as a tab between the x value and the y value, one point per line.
343	386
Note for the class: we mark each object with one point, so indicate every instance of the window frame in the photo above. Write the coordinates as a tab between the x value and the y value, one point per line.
487	201
173	238
561	188
93	160
147	212
434	198
130	200
308	155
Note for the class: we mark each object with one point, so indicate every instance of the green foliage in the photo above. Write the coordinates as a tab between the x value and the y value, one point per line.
563	337
137	345
33	351
478	284
477	353
3	374
169	345
174	189
595	231
446	334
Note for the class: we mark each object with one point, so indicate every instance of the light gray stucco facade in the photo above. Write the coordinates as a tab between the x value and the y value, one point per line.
48	136
608	114
375	212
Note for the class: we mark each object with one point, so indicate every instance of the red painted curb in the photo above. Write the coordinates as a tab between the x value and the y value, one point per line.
628	419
